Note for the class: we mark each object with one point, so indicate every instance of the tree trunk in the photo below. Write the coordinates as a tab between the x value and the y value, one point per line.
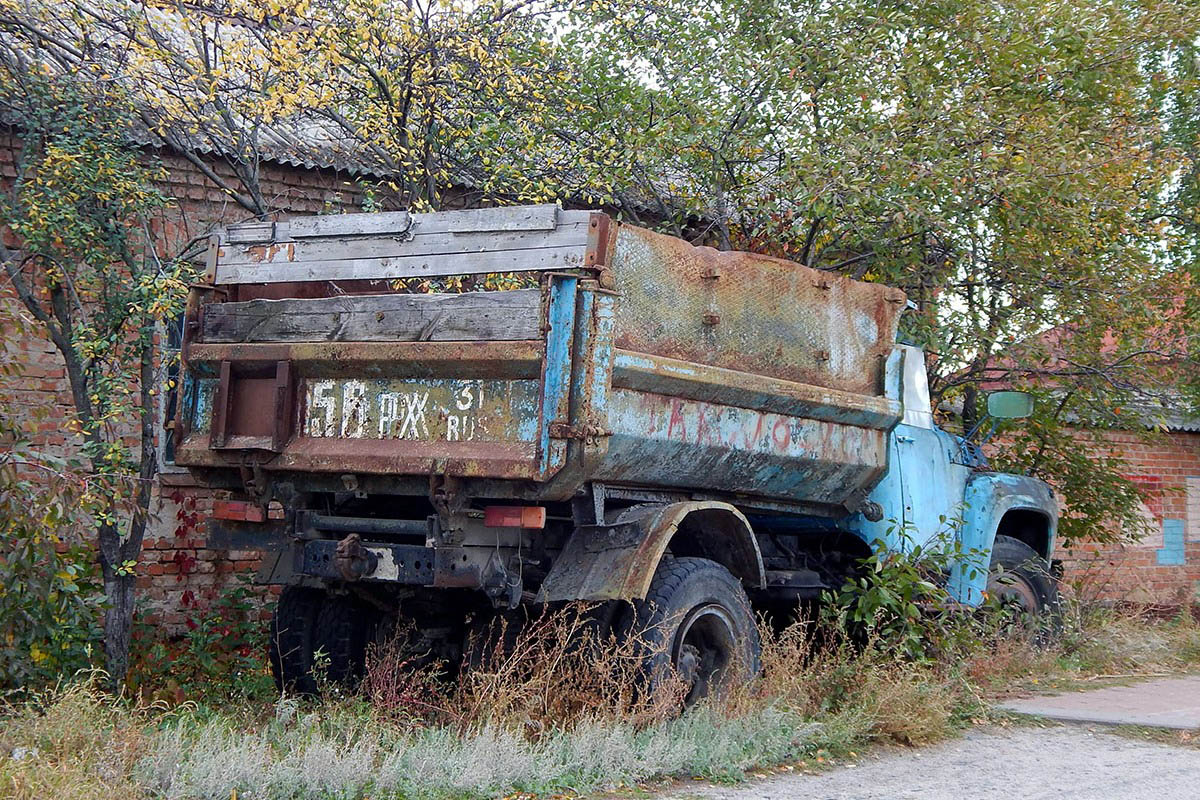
970	412
118	624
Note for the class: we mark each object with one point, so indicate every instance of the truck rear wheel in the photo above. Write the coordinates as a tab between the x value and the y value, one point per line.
291	632
345	627
1020	580
696	620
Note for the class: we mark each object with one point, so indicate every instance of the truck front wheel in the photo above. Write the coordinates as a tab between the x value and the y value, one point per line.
696	621
1020	580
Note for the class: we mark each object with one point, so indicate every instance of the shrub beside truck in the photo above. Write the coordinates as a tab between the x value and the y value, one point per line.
605	414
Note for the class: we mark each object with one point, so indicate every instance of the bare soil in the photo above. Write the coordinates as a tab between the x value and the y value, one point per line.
1027	762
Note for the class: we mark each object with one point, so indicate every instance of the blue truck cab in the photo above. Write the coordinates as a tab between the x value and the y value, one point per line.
939	492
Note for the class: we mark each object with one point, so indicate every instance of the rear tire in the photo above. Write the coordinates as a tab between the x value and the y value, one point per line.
291	632
345	627
696	620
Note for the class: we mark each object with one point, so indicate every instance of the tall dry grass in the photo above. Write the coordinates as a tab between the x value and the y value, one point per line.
558	709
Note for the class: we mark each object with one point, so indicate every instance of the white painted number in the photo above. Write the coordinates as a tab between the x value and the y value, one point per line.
347	409
320	409
354	409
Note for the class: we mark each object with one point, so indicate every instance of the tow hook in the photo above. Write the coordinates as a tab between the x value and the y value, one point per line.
352	559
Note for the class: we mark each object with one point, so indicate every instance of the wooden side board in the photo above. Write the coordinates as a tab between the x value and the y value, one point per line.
400	245
406	266
472	316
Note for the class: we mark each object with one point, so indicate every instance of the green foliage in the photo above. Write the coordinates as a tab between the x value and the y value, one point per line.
83	201
898	602
1102	503
1013	166
49	592
221	658
82	211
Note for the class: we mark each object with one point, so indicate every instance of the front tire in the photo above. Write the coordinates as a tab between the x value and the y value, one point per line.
1019	580
696	621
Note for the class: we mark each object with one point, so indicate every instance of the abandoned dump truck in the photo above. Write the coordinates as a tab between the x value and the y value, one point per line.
431	418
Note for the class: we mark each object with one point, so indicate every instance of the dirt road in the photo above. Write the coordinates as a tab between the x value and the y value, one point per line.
1030	763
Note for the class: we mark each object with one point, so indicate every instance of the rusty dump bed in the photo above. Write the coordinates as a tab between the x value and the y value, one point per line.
335	345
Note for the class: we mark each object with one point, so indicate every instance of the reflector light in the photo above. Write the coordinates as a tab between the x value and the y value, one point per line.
514	517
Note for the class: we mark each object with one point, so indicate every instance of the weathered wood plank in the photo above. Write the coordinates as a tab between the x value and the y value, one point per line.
477	220
510	218
473	316
250	232
419	266
345	224
375	246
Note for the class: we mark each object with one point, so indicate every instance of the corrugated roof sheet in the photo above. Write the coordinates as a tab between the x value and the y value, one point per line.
308	143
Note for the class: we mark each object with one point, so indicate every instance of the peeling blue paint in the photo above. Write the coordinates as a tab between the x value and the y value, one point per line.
557	370
1173	552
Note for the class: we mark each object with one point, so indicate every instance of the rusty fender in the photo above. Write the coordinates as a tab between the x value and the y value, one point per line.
617	561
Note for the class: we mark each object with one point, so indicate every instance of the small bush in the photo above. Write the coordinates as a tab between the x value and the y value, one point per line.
221	657
50	592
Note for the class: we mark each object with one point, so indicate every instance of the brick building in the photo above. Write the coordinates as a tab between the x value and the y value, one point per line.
177	571
1163	565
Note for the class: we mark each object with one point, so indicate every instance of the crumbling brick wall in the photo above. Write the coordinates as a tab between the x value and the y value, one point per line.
1163	565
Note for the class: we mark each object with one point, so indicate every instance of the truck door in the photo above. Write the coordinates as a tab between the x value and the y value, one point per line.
931	486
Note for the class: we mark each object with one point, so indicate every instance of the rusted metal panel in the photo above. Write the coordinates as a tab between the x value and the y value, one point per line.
391	457
252	408
467	427
669	376
585	428
751	313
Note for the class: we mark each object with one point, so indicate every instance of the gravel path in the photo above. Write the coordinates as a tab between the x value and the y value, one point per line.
1022	763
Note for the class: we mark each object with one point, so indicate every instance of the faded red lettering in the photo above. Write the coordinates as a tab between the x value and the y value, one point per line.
676	420
781	441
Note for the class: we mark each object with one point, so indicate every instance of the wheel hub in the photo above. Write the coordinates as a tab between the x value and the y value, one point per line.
1013	591
705	647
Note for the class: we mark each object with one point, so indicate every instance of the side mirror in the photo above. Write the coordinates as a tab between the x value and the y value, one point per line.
1009	405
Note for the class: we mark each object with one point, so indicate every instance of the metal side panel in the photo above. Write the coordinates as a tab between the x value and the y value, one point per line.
663	440
471	409
556	370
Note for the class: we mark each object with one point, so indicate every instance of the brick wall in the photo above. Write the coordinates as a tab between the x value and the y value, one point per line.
1163	565
176	573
